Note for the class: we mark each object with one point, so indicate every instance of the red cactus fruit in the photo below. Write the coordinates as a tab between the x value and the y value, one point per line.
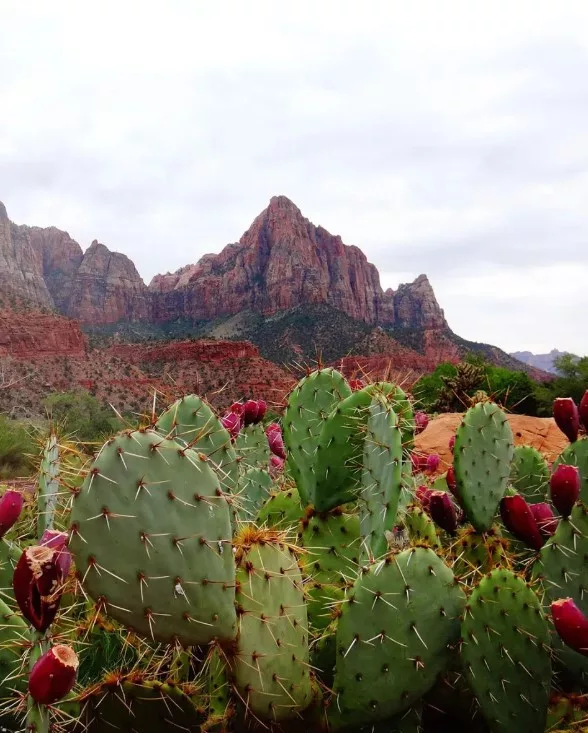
53	675
419	463
583	411
261	409
356	384
58	541
567	417
10	509
433	461
250	412
452	443
232	422
519	520
275	440
442	511
545	518
423	494
564	486
450	479
276	466
571	624
37	584
421	420
237	408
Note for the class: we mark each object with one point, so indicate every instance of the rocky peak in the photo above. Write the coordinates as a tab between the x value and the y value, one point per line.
415	306
3	214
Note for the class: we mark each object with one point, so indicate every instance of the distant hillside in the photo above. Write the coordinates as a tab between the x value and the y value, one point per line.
541	361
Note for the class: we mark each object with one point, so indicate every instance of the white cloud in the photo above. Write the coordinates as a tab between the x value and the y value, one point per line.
446	138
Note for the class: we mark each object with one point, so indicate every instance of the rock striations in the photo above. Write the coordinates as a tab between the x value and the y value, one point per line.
281	262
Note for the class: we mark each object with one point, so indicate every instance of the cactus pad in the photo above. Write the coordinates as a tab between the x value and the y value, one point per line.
281	510
506	654
192	421
252	447
529	474
394	633
270	666
482	456
151	537
253	490
420	526
576	454
381	478
313	399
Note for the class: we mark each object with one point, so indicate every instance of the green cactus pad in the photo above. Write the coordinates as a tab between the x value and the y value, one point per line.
576	454
403	409
331	542
270	666
474	554
394	634
381	478
218	690
339	462
506	654
253	490
529	474
151	537
14	641
562	568
252	447
310	403
482	457
192	421
281	510
420	526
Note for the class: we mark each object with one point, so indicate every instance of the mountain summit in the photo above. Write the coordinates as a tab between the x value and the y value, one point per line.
281	262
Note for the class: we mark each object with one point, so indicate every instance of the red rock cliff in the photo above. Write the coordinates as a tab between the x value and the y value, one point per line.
33	335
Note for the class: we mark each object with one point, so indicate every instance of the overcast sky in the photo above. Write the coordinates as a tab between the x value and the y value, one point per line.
441	137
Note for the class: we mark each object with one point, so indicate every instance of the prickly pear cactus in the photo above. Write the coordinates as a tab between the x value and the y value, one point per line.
281	510
420	526
506	653
218	690
474	554
253	489
270	666
482	457
394	634
252	447
13	643
381	478
529	474
311	402
576	454
403	409
562	568
151	537
330	562
192	421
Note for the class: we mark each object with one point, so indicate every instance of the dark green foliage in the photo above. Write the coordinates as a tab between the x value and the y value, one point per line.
17	449
573	382
82	415
506	654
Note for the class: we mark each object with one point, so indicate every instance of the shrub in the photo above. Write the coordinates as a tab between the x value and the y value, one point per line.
17	449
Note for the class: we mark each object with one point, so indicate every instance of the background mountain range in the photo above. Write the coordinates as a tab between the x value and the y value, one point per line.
293	290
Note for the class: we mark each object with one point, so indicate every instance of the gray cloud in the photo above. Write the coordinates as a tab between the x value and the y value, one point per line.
441	138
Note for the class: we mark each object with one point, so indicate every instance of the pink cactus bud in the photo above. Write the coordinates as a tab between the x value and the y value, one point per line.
276	466
583	411
250	412
53	675
273	426
232	422
419	463
237	408
356	384
442	511
10	509
58	541
452	443
275	441
421	420
519	520
571	624
423	494
261	409
433	461
564	486
545	518
450	479
37	584
567	417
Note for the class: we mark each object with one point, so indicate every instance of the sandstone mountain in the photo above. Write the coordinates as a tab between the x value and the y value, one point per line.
281	262
541	361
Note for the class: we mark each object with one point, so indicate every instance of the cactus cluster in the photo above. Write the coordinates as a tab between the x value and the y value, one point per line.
233	575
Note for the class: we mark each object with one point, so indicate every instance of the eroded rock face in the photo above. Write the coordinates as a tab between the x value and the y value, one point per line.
281	262
31	335
107	288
